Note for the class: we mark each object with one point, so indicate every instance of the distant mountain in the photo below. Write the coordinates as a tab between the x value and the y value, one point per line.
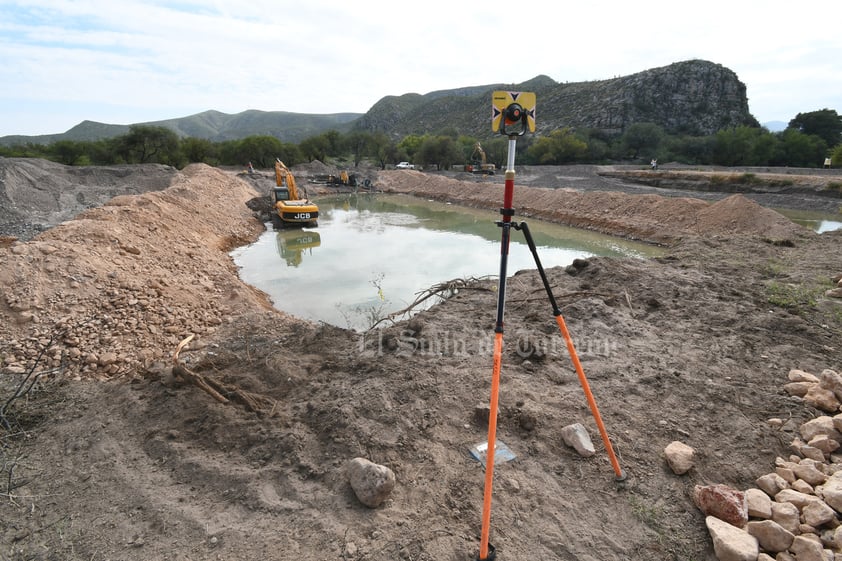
775	126
211	125
691	97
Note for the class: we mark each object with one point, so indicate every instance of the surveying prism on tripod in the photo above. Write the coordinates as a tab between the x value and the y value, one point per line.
513	115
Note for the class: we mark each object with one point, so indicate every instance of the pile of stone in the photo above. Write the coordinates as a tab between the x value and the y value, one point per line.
824	392
835	292
794	512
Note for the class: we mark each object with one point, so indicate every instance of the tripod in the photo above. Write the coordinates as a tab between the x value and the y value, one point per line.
514	114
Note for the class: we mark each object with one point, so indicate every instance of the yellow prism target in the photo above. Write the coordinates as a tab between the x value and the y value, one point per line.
510	108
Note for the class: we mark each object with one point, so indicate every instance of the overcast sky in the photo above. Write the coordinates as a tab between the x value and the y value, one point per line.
127	61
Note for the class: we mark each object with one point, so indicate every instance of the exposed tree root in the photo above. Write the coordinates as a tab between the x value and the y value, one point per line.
223	393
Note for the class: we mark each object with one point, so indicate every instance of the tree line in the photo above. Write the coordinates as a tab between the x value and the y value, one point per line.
807	141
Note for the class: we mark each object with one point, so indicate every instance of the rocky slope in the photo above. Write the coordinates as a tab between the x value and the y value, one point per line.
691	97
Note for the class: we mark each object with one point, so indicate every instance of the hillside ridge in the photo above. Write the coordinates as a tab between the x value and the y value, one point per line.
689	97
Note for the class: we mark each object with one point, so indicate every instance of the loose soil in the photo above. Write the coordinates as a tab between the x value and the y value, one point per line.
112	456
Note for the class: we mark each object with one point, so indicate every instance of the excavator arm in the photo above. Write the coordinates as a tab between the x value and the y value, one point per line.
284	178
478	154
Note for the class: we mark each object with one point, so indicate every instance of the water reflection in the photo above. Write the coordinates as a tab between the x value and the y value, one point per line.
819	222
293	244
371	255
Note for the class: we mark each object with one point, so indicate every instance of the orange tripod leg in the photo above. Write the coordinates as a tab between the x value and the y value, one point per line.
492	444
618	472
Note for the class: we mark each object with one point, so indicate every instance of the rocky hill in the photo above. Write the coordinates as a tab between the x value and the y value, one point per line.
694	97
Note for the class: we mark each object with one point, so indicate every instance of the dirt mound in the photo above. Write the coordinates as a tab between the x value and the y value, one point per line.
122	283
694	346
315	167
37	194
651	218
739	215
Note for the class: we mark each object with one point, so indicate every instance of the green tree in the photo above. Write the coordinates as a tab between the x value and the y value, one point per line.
410	144
496	151
559	147
826	124
836	157
200	150
66	152
441	151
802	150
360	144
766	149
335	142
149	144
736	146
261	150
642	138
382	148
315	148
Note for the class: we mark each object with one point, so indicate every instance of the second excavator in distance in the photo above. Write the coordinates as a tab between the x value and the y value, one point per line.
478	164
288	208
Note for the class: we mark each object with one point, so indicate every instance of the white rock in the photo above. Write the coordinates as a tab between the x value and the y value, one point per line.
770	535
759	504
731	543
831	380
807	549
822	424
809	473
818	514
824	443
796	375
800	500
831	491
576	436
679	457
772	483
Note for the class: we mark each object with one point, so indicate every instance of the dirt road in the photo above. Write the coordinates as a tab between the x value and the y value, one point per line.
111	456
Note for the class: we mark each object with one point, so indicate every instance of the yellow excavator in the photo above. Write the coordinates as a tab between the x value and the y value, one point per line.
478	164
288	209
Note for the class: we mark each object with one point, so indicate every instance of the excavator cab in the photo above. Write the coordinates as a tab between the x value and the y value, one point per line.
280	194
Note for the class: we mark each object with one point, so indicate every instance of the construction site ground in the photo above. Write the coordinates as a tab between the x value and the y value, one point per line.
110	455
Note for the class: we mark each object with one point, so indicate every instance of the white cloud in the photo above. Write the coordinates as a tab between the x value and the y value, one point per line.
130	61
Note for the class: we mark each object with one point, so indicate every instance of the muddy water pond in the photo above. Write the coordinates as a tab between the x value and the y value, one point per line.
372	254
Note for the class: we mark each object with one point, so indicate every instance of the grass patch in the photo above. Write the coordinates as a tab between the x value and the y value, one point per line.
747	178
773	269
834	186
794	297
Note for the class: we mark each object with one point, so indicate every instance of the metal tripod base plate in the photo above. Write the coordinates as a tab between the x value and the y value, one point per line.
501	452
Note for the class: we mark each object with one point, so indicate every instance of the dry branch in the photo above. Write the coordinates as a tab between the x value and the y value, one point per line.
223	393
448	287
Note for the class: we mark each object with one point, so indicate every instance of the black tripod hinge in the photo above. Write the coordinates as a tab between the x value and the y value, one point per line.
507	211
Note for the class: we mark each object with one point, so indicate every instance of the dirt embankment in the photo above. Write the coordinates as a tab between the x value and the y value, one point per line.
651	218
118	286
826	183
693	346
